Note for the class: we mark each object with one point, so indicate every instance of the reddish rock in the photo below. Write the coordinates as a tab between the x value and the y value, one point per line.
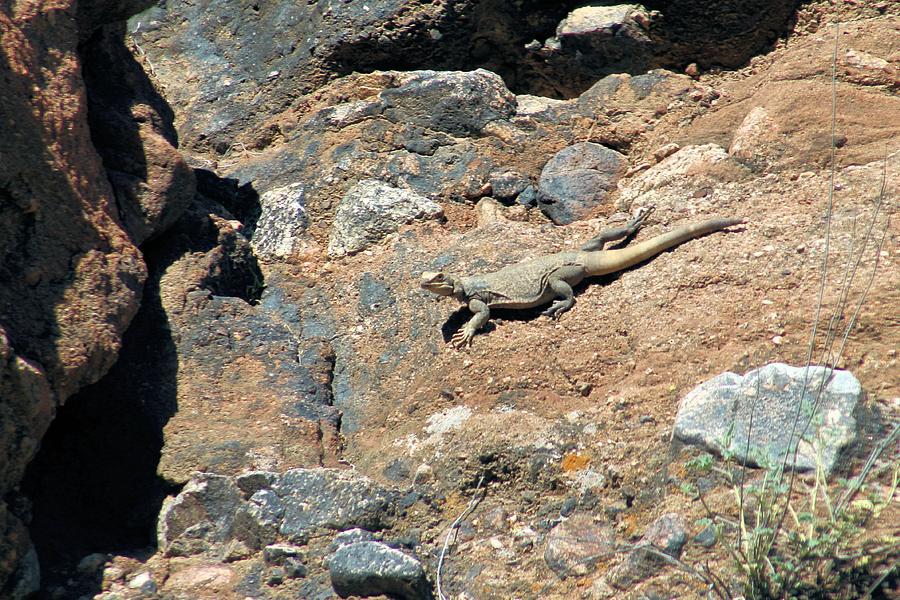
71	278
576	545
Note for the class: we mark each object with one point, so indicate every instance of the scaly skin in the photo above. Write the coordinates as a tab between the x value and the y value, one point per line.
551	278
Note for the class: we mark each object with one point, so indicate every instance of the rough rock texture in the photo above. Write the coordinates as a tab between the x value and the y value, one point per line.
131	127
666	535
226	327
70	278
280	231
290	506
764	415
605	39
371	210
577	179
455	103
372	568
575	546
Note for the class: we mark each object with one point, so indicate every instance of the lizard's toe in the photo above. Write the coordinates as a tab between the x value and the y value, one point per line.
461	339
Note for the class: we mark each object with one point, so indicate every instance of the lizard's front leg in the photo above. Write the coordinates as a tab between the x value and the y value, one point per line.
464	336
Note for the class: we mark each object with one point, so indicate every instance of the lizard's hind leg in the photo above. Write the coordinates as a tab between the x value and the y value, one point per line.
567	301
618	233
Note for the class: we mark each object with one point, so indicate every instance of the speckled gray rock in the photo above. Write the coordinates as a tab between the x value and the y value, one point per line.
578	178
372	568
281	228
575	546
372	209
667	534
306	500
507	185
455	102
212	509
716	415
200	516
351	536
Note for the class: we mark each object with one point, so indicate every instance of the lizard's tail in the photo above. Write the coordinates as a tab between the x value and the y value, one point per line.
609	261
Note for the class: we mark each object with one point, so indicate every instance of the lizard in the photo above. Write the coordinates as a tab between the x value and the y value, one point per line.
550	278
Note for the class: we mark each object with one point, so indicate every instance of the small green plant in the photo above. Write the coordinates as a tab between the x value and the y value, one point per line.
700	464
809	543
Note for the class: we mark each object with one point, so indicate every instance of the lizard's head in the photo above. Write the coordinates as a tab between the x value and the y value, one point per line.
438	283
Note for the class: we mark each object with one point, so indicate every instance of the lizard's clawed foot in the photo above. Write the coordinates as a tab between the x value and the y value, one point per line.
557	309
462	338
642	213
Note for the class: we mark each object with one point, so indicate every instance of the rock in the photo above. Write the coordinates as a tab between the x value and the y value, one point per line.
143	582
539	106
577	179
667	534
351	536
71	279
131	126
716	415
374	295
302	52
706	537
280	232
424	474
528	197
756	130
303	501
200	516
506	186
212	511
674	177
489	211
199	580
575	546
92	563
252	482
455	102
866	69
277	554
607	39
371	210
667	150
372	568
227	363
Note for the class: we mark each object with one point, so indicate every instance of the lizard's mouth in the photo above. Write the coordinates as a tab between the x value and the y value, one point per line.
437	283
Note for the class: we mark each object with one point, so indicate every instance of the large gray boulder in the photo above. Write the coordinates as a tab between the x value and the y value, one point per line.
717	415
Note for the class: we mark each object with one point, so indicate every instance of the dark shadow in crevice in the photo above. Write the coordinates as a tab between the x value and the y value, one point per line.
242	201
511	39
93	484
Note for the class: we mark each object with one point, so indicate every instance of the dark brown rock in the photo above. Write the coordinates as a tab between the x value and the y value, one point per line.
70	277
131	127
